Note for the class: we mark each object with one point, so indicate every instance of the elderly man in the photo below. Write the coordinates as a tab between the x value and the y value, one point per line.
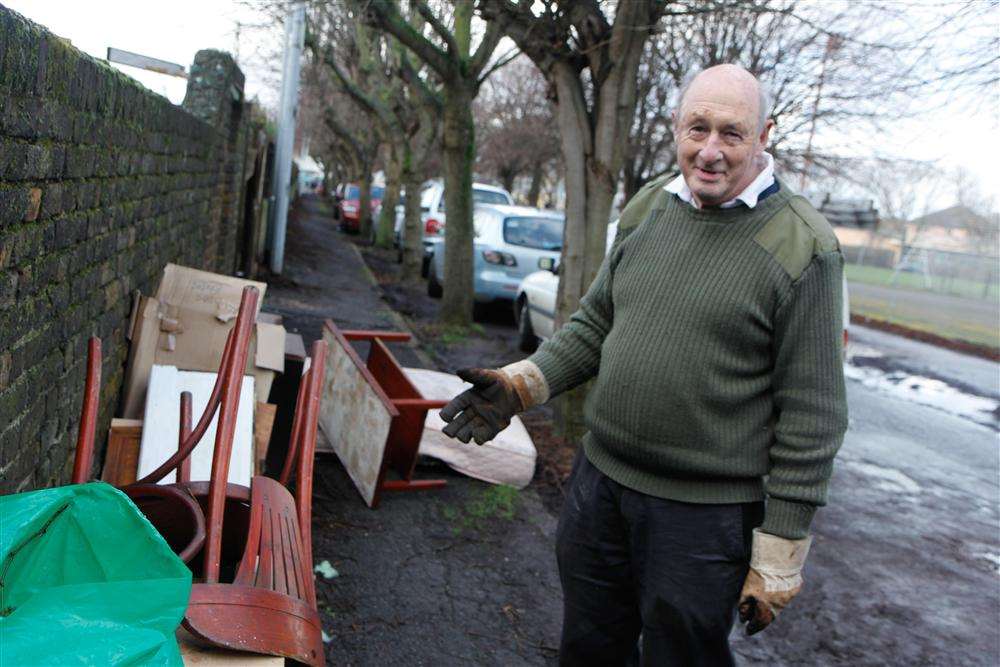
714	331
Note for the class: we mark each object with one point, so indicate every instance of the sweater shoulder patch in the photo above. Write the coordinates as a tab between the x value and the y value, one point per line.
795	234
644	201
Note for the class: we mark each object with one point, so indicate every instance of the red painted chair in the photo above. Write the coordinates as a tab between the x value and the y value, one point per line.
254	587
270	606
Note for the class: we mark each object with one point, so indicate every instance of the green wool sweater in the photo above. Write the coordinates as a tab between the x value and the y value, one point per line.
716	339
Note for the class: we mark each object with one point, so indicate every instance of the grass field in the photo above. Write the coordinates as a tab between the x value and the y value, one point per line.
872	275
957	318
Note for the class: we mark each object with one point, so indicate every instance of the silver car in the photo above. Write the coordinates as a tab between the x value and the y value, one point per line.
509	243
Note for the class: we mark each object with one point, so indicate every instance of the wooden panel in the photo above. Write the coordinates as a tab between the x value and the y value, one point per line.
355	415
263	423
122	458
161	427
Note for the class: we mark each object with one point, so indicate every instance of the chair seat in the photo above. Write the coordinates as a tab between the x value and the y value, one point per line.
271	605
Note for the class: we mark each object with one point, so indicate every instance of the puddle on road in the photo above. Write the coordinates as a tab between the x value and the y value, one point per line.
887	479
869	369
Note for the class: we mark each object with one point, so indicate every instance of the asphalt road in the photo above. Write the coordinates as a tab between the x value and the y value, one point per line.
905	566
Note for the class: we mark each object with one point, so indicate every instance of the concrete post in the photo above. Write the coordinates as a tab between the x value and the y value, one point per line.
295	24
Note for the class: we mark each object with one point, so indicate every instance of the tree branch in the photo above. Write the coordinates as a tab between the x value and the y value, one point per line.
503	60
385	14
440	28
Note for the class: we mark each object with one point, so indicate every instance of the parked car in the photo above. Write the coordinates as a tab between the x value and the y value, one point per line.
535	303
348	205
432	210
509	243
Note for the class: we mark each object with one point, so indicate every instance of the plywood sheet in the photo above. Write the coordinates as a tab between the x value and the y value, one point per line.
161	426
354	417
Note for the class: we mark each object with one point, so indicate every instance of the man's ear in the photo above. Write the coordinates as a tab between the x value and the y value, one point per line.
765	134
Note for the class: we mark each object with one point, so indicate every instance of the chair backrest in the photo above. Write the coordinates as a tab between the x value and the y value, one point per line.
302	444
84	460
231	373
224	400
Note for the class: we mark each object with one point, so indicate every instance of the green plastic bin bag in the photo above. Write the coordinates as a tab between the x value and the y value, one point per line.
85	579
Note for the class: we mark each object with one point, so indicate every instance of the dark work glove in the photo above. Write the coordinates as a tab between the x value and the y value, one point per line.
484	410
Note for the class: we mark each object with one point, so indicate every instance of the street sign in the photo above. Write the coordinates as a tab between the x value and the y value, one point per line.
145	62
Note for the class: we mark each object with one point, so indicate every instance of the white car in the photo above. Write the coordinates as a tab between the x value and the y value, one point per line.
535	303
510	242
432	213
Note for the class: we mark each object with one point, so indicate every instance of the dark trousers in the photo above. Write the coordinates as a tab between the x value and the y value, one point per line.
634	564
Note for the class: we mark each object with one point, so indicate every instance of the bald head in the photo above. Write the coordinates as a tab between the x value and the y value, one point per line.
721	128
729	83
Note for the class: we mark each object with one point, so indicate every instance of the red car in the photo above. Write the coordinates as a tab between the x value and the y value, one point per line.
348	205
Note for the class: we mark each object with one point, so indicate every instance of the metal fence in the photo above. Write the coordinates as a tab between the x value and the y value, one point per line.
948	272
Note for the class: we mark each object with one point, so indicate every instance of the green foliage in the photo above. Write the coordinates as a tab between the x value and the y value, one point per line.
493	504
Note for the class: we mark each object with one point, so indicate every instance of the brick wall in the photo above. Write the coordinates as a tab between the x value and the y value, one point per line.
101	183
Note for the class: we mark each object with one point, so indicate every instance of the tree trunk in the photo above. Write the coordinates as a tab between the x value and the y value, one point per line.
537	174
365	202
593	152
390	197
507	179
459	155
413	232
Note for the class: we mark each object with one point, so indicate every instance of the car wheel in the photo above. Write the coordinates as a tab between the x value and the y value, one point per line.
434	288
425	265
527	341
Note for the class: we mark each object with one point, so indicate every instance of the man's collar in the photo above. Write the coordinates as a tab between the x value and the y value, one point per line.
749	196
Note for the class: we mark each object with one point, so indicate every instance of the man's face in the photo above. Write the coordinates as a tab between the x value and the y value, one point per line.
719	148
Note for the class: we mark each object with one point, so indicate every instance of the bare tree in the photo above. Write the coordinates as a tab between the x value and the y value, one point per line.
448	52
590	59
385	84
516	127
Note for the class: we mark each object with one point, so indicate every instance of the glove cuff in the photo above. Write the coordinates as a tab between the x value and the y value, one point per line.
528	382
778	560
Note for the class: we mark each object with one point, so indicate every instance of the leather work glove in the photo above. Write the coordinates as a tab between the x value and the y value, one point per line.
497	395
775	577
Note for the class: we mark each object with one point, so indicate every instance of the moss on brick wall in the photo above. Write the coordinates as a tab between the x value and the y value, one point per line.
102	182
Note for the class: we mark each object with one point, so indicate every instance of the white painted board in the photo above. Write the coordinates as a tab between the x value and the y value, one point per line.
353	418
161	425
508	458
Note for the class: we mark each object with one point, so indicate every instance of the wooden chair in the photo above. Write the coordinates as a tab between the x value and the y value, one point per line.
254	587
270	606
372	414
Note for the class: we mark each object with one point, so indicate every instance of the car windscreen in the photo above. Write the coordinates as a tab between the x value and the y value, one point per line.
377	192
489	197
537	233
353	192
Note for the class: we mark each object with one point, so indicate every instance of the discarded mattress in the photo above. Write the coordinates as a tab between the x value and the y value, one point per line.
507	459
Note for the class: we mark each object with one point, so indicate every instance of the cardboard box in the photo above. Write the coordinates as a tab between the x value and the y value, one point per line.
186	324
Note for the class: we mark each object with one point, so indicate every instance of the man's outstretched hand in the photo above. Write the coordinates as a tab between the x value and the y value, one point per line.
484	410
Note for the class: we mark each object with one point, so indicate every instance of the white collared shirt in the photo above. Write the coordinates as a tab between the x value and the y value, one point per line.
749	196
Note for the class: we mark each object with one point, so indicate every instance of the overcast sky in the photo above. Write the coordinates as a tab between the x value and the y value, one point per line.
175	30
